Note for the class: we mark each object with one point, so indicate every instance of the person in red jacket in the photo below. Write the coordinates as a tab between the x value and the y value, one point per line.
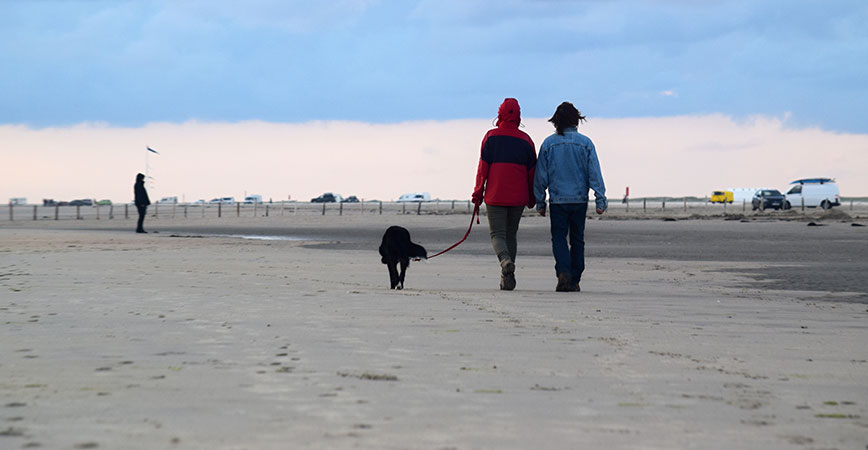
504	180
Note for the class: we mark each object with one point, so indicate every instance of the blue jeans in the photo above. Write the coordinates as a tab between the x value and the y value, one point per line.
568	219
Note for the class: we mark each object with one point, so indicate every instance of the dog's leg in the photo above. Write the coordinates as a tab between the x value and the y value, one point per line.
393	273
404	263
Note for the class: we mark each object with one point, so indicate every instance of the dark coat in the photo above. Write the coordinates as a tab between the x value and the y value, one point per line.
141	194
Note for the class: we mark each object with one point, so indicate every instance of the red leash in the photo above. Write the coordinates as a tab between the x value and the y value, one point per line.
475	214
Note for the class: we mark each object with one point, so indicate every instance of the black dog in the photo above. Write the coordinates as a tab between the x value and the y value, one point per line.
397	248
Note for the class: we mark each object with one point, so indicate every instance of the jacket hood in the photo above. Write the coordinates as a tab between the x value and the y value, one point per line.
509	113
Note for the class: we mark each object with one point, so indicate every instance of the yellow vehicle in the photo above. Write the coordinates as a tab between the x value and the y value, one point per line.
721	197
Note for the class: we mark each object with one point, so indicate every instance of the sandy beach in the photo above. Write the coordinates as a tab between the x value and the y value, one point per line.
688	334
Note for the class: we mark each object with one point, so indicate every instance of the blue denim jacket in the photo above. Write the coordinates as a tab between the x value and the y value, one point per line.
568	166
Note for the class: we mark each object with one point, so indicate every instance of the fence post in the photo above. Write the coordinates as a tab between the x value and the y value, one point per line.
111	212
403	207
664	203
453	205
323	208
644	205
126	211
220	209
803	203
418	208
185	211
341	209
77	212
381	207
97	212
685	204
266	210
11	214
34	212
238	210
56	212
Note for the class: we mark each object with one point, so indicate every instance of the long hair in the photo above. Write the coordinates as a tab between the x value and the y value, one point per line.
566	116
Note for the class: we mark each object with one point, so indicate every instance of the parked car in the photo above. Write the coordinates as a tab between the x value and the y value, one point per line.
199	202
214	201
822	192
768	198
722	197
415	197
251	199
227	200
327	197
170	200
351	199
104	202
81	202
17	201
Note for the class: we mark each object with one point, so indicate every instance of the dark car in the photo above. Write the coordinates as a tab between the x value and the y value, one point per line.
82	202
768	198
351	199
328	197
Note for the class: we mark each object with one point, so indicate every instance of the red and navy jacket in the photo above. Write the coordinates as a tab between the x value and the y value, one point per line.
507	162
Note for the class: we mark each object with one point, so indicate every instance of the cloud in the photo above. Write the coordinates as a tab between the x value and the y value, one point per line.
675	156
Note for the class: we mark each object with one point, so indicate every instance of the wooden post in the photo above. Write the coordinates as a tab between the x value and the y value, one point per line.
111	212
664	203
77	212
644	205
453	205
126	211
266	210
220	209
185	211
381	207
341	208
323	208
238	210
403	207
34	212
803	203
418	208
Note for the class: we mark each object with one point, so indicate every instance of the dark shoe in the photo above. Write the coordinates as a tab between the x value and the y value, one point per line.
565	283
576	288
141	231
507	282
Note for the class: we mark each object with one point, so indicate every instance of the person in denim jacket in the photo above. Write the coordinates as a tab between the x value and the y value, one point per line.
568	167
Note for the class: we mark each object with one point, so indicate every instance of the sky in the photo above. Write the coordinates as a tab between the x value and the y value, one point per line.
295	98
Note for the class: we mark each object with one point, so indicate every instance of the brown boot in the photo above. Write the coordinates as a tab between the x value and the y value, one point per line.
507	275
565	283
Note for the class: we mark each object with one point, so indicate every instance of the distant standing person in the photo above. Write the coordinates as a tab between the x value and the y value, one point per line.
504	180
568	167
142	201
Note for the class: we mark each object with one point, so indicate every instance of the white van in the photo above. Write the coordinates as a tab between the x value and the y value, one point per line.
822	192
415	197
251	199
170	200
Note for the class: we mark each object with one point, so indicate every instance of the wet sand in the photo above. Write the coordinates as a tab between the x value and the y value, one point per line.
116	340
